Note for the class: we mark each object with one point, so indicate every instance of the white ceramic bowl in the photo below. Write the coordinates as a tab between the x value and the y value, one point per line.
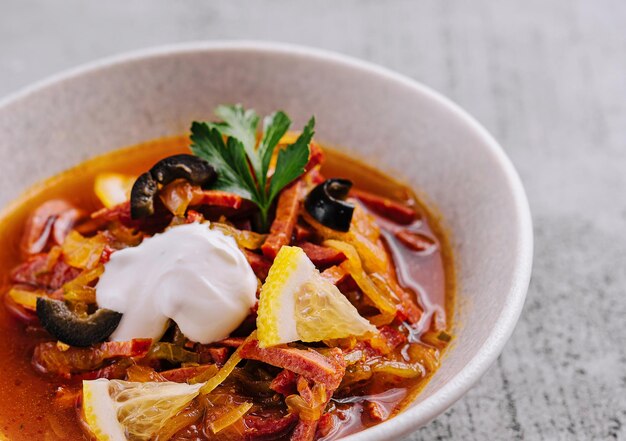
394	123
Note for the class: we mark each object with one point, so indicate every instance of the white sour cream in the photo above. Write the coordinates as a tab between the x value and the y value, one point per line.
193	275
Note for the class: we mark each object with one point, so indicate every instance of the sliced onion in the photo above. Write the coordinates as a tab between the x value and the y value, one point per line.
353	266
230	417
228	367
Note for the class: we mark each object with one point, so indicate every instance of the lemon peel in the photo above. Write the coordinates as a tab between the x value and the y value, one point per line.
297	303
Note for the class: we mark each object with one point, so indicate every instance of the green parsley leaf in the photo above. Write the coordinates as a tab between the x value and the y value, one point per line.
241	167
291	160
274	128
240	124
208	144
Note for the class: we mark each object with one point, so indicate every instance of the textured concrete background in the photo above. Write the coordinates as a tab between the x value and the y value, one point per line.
547	78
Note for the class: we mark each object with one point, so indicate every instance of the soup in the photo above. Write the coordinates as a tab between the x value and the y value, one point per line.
372	294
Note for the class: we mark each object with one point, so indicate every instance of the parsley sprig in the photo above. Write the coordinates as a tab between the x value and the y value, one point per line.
242	165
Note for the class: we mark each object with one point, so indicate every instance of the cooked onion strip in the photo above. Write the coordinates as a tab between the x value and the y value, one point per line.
78	290
27	299
226	370
83	252
245	239
175	424
363	236
230	417
399	369
354	267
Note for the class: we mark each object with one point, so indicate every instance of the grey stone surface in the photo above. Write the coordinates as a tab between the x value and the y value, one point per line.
547	78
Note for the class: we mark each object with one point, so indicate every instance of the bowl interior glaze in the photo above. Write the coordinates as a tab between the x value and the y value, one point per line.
399	126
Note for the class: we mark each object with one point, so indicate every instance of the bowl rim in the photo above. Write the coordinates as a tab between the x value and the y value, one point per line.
417	416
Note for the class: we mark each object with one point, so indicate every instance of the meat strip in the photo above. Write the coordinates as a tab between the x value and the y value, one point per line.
49	358
36	272
393	210
285	221
215	198
326	369
321	256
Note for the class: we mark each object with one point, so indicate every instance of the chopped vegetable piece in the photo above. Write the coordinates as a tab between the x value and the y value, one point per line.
79	289
27	299
142	374
189	416
82	252
372	254
407	308
353	266
226	370
444	336
425	356
230	417
246	239
172	353
399	369
113	188
176	196
197	374
311	407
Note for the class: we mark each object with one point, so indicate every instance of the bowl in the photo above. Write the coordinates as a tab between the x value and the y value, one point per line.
392	122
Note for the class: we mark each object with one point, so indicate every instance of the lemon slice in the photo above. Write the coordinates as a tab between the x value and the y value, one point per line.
296	303
118	410
113	188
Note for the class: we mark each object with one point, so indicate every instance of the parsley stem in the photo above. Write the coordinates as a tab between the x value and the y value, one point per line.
263	220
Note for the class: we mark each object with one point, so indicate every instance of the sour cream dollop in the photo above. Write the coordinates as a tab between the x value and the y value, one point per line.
191	274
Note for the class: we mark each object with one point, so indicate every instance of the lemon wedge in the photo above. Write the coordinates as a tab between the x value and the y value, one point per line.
117	410
113	188
296	303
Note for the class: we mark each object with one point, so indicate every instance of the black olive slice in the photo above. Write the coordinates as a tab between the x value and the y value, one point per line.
189	167
326	203
142	196
63	324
